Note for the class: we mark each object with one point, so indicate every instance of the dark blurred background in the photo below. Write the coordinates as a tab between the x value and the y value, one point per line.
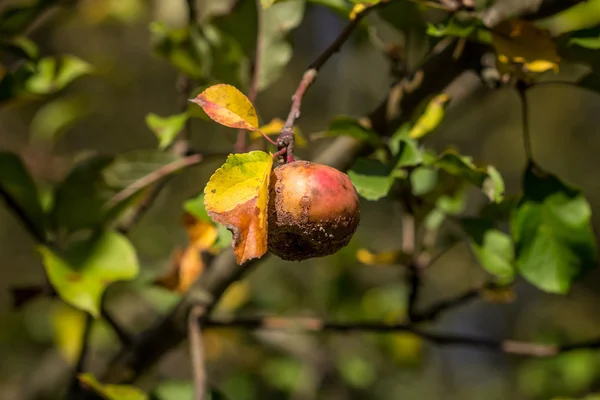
39	342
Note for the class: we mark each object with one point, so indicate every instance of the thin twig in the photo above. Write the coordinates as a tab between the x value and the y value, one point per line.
197	351
435	310
286	138
154	177
522	90
240	144
303	324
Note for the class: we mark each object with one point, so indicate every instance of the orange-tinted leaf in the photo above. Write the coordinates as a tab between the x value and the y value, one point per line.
187	264
367	257
237	196
228	106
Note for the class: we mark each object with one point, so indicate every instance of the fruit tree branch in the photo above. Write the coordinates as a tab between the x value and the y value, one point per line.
285	142
197	352
303	324
223	271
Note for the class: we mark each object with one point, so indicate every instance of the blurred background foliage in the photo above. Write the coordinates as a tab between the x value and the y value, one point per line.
107	64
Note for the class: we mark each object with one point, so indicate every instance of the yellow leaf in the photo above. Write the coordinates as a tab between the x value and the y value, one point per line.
502	295
187	264
111	392
68	325
237	196
228	106
406	348
366	257
431	117
236	295
358	8
521	42
274	128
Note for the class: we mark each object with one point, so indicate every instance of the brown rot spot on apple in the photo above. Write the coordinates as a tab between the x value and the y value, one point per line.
313	211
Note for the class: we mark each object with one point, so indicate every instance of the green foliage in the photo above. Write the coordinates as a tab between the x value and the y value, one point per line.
19	190
166	129
87	196
587	38
493	248
112	392
53	74
56	116
462	28
372	179
81	272
349	126
551	227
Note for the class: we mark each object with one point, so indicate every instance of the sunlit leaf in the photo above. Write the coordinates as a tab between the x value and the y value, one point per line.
237	197
551	227
406	348
68	324
55	117
188	264
587	38
365	256
166	129
236	295
111	392
228	106
521	42
486	178
431	117
82	272
53	74
471	28
493	248
372	179
20	192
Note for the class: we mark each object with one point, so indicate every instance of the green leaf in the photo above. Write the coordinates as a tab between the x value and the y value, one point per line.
551	227
357	371
404	149
82	272
52	74
87	196
278	21
174	390
57	116
464	28
340	7
586	38
486	178
186	49
349	126
166	129
423	180
371	178
493	248
196	208
19	191
112	392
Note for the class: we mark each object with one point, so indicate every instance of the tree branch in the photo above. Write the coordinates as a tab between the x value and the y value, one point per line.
197	352
75	390
302	324
223	271
285	142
